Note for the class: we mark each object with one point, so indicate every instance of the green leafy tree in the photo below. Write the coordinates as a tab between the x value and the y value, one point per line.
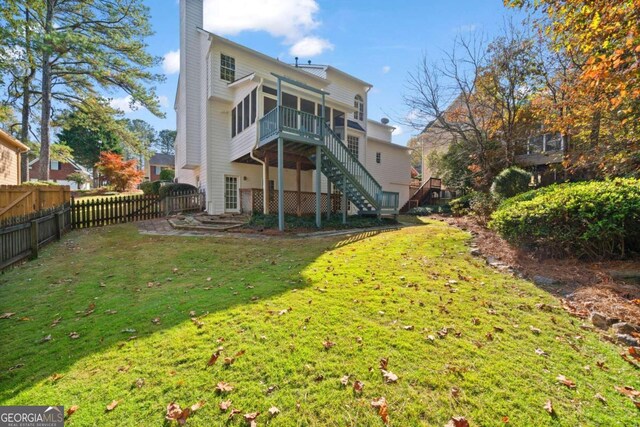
83	48
144	133
88	142
79	178
165	141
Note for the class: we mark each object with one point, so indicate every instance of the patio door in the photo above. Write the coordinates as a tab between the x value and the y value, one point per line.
231	197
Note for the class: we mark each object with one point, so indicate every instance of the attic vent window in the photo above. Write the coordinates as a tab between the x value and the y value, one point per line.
227	68
378	157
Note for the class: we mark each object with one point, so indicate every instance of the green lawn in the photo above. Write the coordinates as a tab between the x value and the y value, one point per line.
374	295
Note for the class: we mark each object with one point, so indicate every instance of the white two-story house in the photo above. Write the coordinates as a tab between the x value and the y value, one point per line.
261	135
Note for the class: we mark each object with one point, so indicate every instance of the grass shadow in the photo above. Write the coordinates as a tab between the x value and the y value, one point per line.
111	286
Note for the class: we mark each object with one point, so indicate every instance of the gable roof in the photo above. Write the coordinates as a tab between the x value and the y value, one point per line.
163	159
12	142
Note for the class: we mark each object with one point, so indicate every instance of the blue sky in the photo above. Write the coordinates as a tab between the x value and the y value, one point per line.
377	41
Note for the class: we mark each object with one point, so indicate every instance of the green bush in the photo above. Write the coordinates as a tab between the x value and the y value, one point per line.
169	189
483	205
462	205
167	175
595	220
147	187
510	182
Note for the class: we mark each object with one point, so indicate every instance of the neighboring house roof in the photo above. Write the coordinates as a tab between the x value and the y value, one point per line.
352	124
12	142
163	159
76	166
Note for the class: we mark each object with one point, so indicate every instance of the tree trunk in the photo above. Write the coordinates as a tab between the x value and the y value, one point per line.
45	119
26	99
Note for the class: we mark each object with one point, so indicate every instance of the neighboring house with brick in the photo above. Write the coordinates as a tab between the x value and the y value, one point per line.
156	164
59	173
11	151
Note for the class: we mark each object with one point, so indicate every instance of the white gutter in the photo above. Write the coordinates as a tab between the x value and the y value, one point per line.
264	178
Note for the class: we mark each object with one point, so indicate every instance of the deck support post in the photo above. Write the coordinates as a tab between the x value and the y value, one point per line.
344	199
281	184
298	189
318	187
328	199
267	188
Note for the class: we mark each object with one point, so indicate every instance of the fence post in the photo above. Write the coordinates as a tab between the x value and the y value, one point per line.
34	239
58	224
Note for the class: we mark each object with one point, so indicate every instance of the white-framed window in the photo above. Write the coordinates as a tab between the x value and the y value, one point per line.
158	169
353	143
358	104
243	114
378	157
55	165
230	193
227	68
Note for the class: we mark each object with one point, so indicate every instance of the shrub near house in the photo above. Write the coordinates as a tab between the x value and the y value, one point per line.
594	219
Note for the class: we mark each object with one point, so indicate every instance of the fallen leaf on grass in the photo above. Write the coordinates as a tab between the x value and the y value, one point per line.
389	377
251	418
55	322
214	358
384	362
535	330
74	335
223	387
475	321
199	404
111	406
225	405
458	422
358	386
72	410
197	322
548	406
274	411
344	380
155	320
635	352
408	328
455	392
564	380
228	361
140	382
6	315
383	410
90	309
328	344
505	419
55	377
600	398
541	352
234	412
46	339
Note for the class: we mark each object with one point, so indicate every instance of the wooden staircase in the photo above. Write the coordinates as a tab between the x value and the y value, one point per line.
423	195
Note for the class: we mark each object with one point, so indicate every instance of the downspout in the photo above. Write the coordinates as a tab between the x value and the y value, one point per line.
264	177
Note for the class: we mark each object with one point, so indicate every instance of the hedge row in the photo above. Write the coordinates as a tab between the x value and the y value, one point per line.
596	219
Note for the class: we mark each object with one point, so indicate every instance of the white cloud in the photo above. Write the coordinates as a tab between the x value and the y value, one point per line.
291	20
468	28
163	101
171	62
398	130
386	69
123	104
310	46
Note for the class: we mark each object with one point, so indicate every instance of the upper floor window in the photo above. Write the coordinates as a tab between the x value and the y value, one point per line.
358	104
227	68
55	165
352	144
243	115
378	157
545	142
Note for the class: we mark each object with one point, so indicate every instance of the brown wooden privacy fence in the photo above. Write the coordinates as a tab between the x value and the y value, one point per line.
20	200
116	210
22	236
252	201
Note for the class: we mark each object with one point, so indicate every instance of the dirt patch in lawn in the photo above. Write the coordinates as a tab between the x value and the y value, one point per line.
609	288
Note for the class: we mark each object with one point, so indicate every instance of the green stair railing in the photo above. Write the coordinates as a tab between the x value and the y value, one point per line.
357	174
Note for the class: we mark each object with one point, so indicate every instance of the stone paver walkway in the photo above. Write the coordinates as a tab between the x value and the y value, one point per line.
162	227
